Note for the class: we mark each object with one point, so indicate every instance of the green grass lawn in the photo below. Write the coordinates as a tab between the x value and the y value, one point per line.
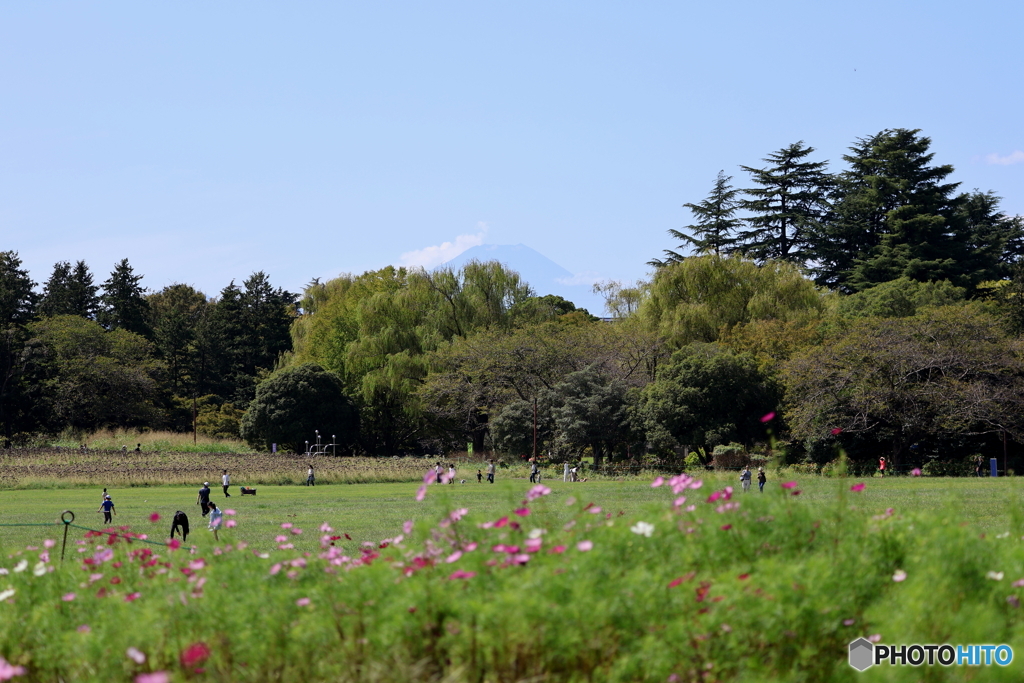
371	512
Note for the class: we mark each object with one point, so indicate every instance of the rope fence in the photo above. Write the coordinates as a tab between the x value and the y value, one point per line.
67	519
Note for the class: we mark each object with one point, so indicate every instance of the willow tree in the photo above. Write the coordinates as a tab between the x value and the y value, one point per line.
375	330
703	296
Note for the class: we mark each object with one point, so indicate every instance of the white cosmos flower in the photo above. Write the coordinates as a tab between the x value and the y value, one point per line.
642	529
21	566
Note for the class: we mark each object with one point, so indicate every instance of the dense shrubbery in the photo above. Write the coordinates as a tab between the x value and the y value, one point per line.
707	586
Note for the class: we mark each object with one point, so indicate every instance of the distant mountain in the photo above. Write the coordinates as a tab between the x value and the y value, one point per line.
543	274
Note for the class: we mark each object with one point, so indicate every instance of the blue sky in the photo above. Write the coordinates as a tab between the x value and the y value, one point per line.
206	141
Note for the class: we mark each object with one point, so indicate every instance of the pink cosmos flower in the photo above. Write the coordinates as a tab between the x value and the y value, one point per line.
557	550
195	654
302	602
470	547
457	515
155	517
726	527
522	512
849	622
421	492
595	510
407	527
875	637
68	597
658	481
533	544
836	431
679	502
916	472
155	677
196	565
280	538
788	485
521	558
84	628
231	524
454	557
536	492
584	546
295	531
768	417
49	543
229	512
174	544
857	487
8	670
287	525
899	575
136	655
501	522
461	574
132	597
275	569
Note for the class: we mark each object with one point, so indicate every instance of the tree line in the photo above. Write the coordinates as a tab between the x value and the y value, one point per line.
877	310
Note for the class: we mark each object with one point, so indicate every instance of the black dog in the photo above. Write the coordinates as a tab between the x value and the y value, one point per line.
181	524
246	491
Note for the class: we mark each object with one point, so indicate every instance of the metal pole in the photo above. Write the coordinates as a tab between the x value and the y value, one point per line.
1006	472
194	419
63	518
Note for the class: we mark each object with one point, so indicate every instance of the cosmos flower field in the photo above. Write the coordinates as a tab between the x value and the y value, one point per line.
703	584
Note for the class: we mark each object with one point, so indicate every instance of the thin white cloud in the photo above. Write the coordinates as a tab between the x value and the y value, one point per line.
1008	160
428	257
585	278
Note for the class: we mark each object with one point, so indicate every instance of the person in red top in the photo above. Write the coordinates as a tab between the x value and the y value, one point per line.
881	465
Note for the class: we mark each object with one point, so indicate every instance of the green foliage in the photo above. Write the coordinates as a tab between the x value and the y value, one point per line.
900	298
84	377
586	410
705	395
295	402
697	299
900	381
375	331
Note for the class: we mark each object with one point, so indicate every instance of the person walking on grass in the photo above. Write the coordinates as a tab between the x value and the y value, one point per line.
881	465
107	508
451	473
215	519
437	471
479	476
745	479
225	481
761	479
533	470
203	501
310	479
490	471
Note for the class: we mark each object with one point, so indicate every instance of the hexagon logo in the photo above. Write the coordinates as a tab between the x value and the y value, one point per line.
862	654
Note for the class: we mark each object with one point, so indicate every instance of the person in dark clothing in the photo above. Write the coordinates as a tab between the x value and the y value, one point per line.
204	498
107	508
180	524
761	479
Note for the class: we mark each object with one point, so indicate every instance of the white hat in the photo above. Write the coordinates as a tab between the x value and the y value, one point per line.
206	483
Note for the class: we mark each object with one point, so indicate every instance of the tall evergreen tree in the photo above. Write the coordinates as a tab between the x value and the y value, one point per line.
70	291
17	299
17	308
790	199
715	224
177	318
124	302
896	215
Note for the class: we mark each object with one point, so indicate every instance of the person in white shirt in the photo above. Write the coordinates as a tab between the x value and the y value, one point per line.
215	519
225	481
